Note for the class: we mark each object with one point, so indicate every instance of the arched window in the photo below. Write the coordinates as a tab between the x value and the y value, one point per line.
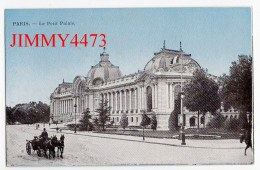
171	61
98	81
202	120
192	121
149	98
177	91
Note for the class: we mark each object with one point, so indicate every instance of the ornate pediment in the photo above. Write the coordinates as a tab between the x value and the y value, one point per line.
147	78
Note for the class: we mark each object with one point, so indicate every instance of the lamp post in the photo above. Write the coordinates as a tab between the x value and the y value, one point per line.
43	121
143	124
75	118
182	133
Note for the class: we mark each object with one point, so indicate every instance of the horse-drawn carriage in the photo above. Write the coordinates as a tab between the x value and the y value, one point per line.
42	146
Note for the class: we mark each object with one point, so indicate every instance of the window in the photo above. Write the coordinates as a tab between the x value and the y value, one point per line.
171	61
117	119
202	120
132	119
136	119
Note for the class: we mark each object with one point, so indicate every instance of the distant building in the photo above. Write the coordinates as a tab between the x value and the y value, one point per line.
154	90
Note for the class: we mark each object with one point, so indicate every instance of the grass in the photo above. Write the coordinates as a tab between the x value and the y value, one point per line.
169	134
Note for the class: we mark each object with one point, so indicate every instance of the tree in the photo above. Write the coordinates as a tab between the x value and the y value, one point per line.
28	113
145	120
96	123
85	121
154	122
173	119
124	121
104	113
237	89
201	94
217	121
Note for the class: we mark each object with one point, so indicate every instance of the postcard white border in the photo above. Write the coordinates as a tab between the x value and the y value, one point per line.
11	4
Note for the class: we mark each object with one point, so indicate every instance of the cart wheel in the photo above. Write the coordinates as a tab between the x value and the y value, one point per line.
39	152
28	148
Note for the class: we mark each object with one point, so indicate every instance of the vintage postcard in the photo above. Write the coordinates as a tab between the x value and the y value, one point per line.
129	86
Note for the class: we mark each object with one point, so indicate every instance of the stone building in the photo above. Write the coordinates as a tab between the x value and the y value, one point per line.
153	90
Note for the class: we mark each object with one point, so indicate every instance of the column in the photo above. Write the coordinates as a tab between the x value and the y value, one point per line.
125	100
136	99
156	95
152	96
112	100
62	106
170	92
139	99
116	108
144	98
168	95
130	100
67	107
71	105
77	108
120	100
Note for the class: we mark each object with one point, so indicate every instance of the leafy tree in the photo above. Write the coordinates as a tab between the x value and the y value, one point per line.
201	94
104	113
28	113
217	121
154	122
85	121
173	119
145	120
124	121
96	123
237	89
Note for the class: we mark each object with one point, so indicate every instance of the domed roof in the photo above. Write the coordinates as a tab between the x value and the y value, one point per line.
104	71
170	60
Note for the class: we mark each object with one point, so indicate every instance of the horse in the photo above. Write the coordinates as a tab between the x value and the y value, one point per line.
246	136
51	144
61	146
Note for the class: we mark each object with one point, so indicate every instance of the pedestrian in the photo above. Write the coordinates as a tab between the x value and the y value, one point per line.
57	129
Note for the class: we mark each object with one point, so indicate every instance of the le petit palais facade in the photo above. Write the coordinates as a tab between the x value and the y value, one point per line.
153	90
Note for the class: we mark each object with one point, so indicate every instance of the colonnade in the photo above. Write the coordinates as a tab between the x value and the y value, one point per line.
130	100
61	107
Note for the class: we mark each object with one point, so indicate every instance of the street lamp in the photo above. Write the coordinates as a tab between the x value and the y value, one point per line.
43	121
143	123
75	118
182	133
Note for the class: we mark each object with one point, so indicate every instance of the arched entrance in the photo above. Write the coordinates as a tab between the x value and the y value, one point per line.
149	99
192	121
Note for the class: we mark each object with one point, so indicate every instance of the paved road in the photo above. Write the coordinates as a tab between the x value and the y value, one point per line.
102	149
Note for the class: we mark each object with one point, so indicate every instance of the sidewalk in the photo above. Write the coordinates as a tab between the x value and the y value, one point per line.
204	144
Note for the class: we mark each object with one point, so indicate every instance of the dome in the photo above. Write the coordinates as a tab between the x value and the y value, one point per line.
104	71
170	60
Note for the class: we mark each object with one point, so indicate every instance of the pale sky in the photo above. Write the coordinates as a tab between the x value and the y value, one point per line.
213	36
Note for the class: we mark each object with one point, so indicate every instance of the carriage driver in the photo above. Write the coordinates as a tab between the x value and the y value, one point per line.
44	134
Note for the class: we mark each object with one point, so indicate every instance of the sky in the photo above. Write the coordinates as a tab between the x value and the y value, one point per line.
213	36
